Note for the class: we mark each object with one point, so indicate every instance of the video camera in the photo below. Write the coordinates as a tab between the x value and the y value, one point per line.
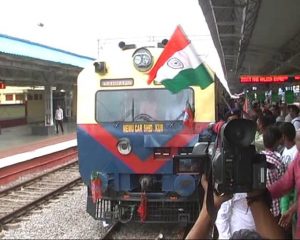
235	164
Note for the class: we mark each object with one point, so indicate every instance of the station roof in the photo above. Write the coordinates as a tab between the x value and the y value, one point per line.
23	62
254	37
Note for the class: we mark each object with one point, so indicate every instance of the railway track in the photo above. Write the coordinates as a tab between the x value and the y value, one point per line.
118	230
111	229
22	198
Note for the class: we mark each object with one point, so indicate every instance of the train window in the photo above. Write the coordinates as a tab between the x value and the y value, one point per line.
142	105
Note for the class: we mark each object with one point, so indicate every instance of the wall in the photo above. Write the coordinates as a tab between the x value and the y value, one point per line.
12	115
35	106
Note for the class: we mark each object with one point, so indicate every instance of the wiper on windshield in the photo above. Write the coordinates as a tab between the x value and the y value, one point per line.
144	117
127	114
172	123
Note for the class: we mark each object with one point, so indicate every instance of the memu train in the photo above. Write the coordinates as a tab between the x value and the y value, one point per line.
128	133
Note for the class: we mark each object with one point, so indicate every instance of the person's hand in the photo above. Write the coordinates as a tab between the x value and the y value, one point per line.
286	219
261	195
218	198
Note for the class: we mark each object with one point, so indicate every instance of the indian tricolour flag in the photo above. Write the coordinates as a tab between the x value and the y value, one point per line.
179	66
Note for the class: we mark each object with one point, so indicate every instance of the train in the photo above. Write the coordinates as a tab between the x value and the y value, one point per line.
130	134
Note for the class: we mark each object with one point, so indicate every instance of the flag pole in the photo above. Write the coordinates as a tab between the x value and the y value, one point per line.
227	104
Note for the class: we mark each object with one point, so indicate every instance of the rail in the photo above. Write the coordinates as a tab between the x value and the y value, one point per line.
18	200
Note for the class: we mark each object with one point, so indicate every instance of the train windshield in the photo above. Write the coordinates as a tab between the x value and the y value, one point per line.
142	105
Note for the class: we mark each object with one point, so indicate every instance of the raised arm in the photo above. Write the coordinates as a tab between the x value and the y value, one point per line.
265	223
202	226
204	223
285	184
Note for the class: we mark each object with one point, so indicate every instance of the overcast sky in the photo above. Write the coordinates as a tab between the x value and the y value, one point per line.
85	26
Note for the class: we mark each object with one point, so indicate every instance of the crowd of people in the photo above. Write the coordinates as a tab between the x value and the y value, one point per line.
270	213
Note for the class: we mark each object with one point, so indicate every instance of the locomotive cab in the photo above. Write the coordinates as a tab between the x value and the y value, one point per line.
129	133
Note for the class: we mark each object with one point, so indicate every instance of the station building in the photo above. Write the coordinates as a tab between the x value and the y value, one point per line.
34	79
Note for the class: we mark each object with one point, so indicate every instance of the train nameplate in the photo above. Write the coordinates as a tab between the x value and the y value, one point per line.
143	128
116	82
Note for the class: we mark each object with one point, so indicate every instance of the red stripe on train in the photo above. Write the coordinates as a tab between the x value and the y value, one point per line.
150	165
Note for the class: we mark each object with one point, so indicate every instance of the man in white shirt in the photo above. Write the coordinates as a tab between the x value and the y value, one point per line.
294	112
290	149
59	116
233	216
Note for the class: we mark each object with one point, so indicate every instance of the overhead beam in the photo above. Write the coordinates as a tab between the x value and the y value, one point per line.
32	67
233	35
228	6
230	56
250	18
228	23
37	62
63	78
10	79
288	62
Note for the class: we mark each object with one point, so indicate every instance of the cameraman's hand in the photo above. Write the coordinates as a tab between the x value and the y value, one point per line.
204	223
259	202
218	198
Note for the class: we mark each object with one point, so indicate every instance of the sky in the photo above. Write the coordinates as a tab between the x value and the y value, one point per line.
87	26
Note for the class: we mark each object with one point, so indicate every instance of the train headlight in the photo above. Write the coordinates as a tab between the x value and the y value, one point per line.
124	146
142	59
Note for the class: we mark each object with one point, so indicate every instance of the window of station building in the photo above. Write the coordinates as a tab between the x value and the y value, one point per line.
19	97
9	97
29	97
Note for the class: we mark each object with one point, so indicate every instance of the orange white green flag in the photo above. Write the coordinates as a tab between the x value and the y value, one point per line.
188	117
179	66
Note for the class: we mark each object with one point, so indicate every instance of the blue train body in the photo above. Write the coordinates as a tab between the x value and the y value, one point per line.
126	151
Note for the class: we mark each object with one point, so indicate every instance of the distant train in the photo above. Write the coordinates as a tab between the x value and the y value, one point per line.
129	131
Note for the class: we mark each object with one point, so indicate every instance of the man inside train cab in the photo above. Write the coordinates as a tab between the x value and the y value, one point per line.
59	116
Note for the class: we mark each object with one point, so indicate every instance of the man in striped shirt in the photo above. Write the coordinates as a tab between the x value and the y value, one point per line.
276	168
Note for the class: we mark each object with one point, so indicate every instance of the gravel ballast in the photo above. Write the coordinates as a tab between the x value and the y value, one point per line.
63	218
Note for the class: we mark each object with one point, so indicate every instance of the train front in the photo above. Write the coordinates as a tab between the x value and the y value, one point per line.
128	134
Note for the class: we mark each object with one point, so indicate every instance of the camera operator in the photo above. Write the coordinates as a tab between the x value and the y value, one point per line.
233	214
237	154
266	225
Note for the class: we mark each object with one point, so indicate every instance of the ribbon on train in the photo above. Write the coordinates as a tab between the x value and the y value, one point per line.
96	187
142	209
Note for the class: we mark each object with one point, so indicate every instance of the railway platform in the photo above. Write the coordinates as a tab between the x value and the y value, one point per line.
18	144
12	138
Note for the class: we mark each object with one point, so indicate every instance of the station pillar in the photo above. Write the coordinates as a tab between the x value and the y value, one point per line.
48	106
68	104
